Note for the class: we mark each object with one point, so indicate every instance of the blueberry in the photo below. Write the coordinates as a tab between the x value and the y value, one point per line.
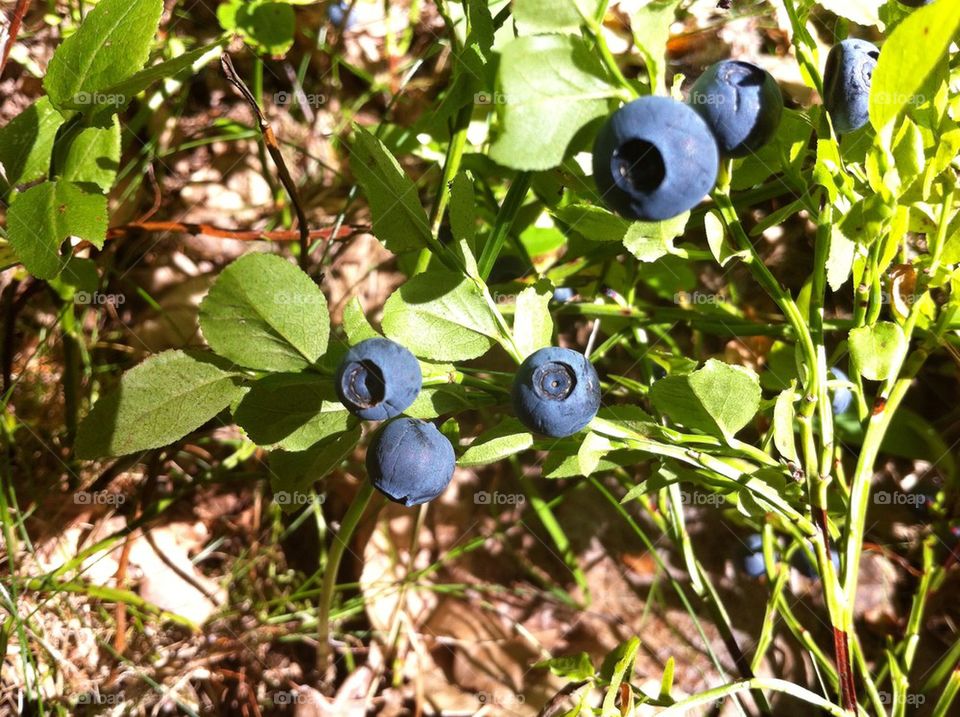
654	158
842	397
741	103
340	15
556	392
378	379
563	294
410	461
753	564
846	83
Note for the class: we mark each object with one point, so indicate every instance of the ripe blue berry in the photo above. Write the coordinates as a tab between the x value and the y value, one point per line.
654	158
563	294
741	103
378	379
556	392
753	564
846	83
340	15
410	461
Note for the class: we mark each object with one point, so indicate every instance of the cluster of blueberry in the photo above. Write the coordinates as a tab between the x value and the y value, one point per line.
754	566
556	392
655	157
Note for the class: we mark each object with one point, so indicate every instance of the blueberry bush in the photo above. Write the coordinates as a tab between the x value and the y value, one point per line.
721	306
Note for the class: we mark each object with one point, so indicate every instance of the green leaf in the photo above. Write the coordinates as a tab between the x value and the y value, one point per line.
594	223
463	222
433	401
839	259
463	213
265	25
93	156
157	402
536	16
532	322
553	86
399	220
909	55
46	215
355	323
292	411
111	44
718	399
572	668
593	448
862	12
877	349
502	441
26	144
716	232
783	419
651	31
168	69
295	471
440	316
648	241
617	667
908	152
264	313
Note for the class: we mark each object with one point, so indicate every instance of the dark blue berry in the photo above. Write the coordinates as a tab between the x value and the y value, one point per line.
556	392
410	461
753	564
378	379
741	103
846	83
340	15
654	158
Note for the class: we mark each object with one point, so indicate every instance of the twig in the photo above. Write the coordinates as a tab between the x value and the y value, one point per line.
270	140
13	30
200	229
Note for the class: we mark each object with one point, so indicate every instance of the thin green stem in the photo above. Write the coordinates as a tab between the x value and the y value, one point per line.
758	683
340	542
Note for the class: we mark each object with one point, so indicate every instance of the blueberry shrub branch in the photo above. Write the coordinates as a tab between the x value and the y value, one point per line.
552	321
